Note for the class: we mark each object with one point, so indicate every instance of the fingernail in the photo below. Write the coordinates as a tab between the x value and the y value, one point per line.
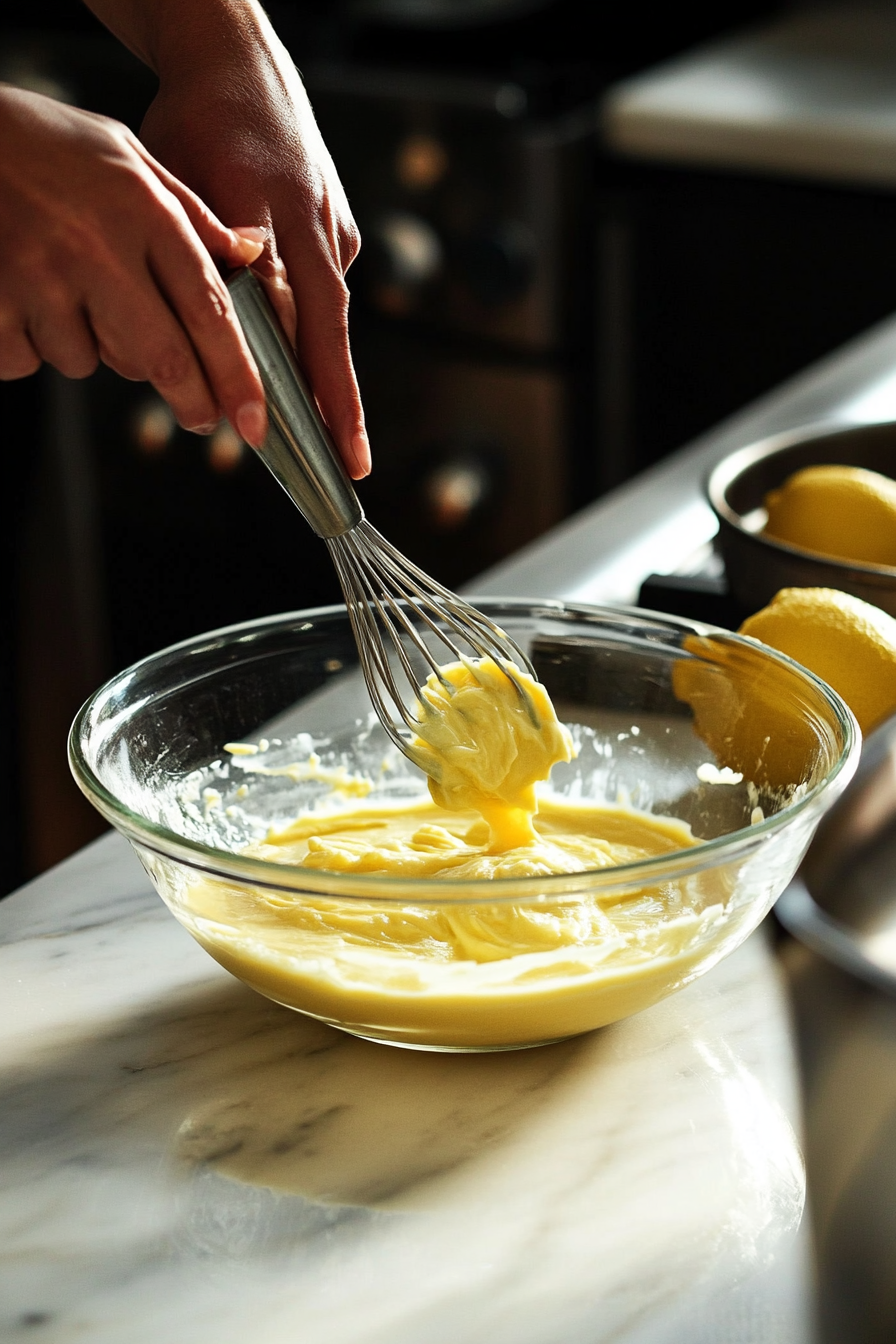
254	238
361	451
252	423
204	429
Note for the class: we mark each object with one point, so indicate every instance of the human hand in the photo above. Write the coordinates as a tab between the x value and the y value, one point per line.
105	255
233	121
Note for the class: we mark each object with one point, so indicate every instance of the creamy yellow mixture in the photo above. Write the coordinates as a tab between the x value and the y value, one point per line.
424	841
444	971
485	740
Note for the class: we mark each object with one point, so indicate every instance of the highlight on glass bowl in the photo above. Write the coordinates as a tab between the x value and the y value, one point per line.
305	853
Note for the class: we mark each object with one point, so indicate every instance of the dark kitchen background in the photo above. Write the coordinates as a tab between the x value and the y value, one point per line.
534	322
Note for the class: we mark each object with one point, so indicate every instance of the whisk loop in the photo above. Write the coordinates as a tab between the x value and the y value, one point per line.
391	603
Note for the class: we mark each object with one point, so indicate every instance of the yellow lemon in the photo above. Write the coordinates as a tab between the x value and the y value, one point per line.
746	709
848	643
845	512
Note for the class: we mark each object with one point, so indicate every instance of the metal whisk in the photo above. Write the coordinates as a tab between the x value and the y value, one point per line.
405	624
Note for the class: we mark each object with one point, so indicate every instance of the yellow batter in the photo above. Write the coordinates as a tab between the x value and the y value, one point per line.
439	970
485	740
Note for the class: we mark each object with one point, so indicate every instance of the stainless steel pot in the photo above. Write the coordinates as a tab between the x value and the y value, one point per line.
842	902
758	567
842	905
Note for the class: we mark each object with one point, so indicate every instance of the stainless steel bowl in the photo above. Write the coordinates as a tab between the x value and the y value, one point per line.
842	902
842	905
757	566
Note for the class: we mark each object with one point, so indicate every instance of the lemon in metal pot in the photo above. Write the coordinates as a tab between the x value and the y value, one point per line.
845	512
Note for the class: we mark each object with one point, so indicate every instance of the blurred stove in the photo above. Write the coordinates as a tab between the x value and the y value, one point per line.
471	312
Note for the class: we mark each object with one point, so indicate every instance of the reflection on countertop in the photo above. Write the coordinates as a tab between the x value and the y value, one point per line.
847	1041
185	1159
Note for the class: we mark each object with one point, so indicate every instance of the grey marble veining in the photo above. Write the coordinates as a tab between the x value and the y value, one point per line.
180	1158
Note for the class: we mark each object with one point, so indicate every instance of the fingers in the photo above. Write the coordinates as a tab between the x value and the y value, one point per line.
145	342
272	273
55	331
322	346
314	315
105	253
148	342
187	340
60	334
234	247
302	266
199	298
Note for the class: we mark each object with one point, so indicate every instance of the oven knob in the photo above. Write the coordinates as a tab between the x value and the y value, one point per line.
403	250
456	490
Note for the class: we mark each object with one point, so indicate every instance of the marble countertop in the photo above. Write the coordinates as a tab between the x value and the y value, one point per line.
812	94
183	1160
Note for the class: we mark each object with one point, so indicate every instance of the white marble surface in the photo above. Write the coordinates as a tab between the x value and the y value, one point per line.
812	94
181	1160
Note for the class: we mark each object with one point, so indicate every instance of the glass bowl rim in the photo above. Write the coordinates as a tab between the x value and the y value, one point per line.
229	865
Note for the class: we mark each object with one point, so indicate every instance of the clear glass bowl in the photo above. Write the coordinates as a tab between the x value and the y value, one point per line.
670	717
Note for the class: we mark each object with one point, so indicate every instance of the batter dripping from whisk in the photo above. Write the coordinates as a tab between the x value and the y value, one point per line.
485	739
469	975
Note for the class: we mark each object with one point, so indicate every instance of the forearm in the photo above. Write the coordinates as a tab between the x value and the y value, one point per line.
175	37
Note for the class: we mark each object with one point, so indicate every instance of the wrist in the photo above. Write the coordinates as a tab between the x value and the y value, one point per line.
206	36
180	39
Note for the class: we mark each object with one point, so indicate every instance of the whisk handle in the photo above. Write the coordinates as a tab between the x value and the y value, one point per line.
298	449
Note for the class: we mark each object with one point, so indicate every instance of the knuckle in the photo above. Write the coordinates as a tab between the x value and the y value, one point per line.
125	368
349	244
337	327
55	298
169	367
209	311
331	294
31	264
192	404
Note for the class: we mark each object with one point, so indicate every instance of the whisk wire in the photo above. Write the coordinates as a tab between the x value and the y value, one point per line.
389	600
363	607
392	602
393	613
482	634
373	657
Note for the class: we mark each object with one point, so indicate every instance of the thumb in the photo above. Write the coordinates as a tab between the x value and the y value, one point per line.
235	247
249	242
